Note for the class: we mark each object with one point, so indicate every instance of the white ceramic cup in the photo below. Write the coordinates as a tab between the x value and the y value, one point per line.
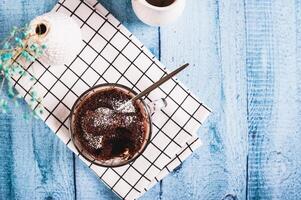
155	15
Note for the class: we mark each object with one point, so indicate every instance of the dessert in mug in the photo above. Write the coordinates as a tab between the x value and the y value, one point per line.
104	132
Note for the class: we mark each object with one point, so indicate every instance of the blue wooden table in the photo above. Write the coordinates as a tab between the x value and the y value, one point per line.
246	65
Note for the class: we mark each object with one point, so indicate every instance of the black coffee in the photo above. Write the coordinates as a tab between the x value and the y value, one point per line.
106	133
160	3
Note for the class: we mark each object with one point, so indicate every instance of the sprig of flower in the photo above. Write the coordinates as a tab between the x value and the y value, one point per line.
20	46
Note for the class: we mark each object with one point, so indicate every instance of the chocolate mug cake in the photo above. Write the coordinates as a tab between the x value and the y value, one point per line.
107	136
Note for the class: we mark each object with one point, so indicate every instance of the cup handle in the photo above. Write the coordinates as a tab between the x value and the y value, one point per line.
157	105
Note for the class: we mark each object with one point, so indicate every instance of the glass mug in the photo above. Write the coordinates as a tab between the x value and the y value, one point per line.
90	144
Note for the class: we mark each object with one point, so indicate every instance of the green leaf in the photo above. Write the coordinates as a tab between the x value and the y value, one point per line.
27	56
33	93
18	38
6	45
4	105
26	116
6	56
33	47
16	104
19	41
11	93
24	34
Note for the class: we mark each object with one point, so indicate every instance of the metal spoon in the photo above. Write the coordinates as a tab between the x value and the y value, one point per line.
153	86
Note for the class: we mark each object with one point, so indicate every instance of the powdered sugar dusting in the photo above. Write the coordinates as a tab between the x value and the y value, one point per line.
94	141
126	106
103	117
108	131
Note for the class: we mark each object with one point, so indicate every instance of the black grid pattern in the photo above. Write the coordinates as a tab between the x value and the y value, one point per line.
112	54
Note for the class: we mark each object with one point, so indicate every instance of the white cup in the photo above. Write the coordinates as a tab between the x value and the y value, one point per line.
155	15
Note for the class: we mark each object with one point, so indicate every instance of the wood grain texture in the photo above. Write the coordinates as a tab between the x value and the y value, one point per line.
34	163
245	61
215	47
42	166
6	188
273	63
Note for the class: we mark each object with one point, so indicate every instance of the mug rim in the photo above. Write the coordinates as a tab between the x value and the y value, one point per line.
149	5
140	152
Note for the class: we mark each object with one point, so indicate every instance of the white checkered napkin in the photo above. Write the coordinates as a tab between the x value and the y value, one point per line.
111	54
177	160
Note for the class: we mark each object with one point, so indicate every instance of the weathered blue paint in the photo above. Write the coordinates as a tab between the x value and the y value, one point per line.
245	63
34	163
215	48
6	185
273	76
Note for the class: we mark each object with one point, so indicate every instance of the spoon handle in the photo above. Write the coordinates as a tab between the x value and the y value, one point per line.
158	83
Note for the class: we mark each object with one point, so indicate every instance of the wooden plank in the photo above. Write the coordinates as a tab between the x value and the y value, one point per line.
5	157
42	166
88	186
211	37
34	163
273	61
